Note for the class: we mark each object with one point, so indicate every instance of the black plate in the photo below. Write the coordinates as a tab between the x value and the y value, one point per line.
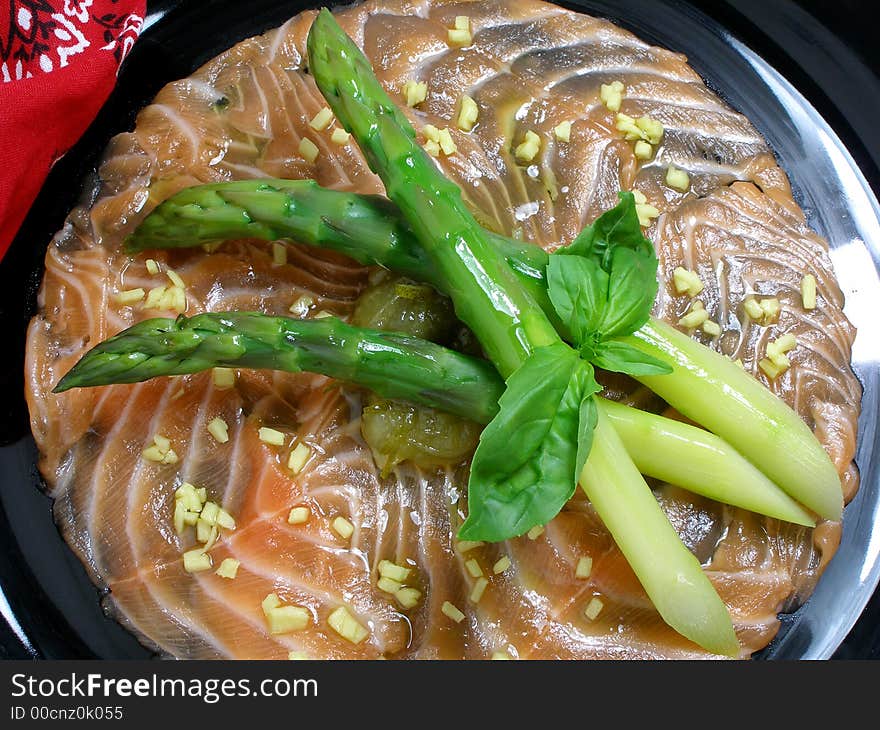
50	607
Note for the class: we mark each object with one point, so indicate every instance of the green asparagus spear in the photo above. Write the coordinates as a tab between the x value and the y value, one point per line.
423	372
703	384
523	345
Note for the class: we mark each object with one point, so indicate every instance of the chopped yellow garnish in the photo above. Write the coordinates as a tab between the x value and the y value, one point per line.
210	512
321	120
225	520
678	179
219	429
611	95
686	281
302	305
298	458
284	619
299	515
408	597
130	296
387	569
322	314
431	132
501	565
432	148
462	22
460	35
563	131
501	656
646	214
452	612
467	113
535	532
473	567
189	496
643	150
652	130
415	92
160	451
206	532
179	518
196	560
594	608
308	149
808	291
388	585
753	309
297	655
584	567
446	143
776	350
713	329
152	267
347	626
271	436
464	545
695	317
228	568
340	136
528	148
342	527
764	312
162	297
223	378
269	602
628	126
279	254
771	369
478	590
175	279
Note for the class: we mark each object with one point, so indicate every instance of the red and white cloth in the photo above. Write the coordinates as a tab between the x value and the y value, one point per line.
58	64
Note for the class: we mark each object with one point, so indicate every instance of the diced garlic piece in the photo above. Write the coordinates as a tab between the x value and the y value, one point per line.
189	496
210	512
459	38
190	519
473	568
298	458
297	655
535	532
408	597
594	608
528	149
299	515
388	585
695	316
205	530
776	350
219	429
563	131
271	436
321	120
771	369
223	378
452	612
179	515
678	179
347	626
152	267
279	254
196	560
269	602
432	148
686	281
415	92
175	279
431	132
225	520
387	569
228	568
467	113
202	494
308	149
302	305
652	130
478	590
584	567
713	329
323	314
753	309
342	527
447	145
340	136
771	309
643	150
130	296
808	291
626	124
464	545
462	22
502	564
611	95
155	297
646	214
500	656
284	619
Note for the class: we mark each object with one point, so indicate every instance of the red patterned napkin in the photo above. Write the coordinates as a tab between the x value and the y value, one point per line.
58	64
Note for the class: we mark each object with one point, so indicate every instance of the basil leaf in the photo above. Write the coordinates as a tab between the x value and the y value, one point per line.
526	465
624	358
617	227
578	289
587	418
632	288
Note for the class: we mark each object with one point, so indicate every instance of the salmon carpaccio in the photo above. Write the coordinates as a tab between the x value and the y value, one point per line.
242	115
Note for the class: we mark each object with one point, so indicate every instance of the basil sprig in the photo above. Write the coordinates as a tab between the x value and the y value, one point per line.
527	463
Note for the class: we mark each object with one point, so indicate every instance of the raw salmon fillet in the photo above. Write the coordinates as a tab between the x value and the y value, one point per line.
531	66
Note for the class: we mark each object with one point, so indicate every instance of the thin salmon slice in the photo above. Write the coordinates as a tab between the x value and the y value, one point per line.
243	115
